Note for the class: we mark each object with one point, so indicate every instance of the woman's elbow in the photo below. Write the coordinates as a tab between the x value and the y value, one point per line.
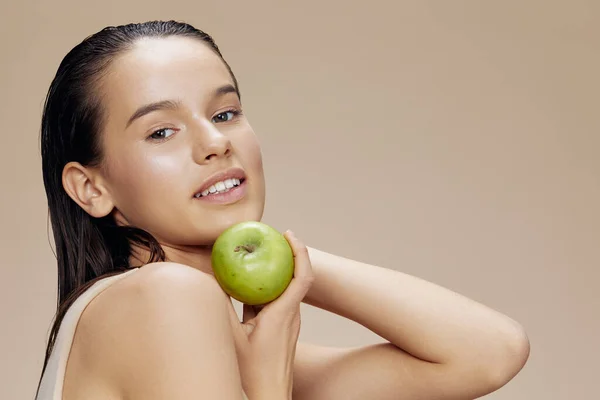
507	359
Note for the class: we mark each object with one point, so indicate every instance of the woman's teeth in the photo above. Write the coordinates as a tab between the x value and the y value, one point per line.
220	187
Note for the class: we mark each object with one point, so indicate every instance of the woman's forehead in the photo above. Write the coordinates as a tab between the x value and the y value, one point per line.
158	68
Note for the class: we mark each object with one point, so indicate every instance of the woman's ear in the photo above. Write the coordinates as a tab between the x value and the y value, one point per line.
85	186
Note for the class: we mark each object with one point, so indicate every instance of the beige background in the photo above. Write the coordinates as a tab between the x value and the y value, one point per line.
454	140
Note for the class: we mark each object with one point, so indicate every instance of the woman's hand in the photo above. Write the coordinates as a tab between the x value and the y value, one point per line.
266	353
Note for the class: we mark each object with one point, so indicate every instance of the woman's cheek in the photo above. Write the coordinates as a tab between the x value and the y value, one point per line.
253	153
152	174
164	166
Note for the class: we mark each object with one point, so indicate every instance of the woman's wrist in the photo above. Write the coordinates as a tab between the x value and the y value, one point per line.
320	291
269	391
269	395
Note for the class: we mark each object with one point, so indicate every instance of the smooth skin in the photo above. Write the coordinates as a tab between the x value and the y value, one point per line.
169	331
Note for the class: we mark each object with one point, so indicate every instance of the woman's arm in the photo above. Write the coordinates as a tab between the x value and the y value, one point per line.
441	344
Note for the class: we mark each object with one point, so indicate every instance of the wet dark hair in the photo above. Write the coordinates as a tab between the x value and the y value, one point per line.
88	248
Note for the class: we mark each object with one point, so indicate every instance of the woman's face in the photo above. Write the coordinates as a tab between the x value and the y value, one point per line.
173	134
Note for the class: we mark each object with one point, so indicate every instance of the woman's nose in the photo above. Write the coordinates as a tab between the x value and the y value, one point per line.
211	144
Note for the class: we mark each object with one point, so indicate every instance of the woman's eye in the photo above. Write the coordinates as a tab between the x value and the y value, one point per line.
162	133
224	116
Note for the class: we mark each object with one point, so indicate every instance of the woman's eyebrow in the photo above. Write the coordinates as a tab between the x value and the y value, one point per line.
151	107
223	90
172	104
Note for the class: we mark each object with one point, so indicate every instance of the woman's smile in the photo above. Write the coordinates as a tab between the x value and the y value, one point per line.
227	191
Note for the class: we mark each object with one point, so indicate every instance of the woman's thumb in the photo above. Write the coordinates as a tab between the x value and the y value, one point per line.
248	313
248	319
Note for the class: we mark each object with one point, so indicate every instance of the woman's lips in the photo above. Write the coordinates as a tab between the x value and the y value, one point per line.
231	196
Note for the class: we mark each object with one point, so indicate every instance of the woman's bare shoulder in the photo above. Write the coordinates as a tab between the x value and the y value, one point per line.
164	313
149	281
151	289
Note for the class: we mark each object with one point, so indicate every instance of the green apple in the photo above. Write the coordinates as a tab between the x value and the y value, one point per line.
252	262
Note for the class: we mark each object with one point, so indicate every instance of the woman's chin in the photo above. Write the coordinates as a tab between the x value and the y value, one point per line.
218	227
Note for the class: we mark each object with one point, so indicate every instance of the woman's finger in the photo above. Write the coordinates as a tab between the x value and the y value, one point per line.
248	318
248	312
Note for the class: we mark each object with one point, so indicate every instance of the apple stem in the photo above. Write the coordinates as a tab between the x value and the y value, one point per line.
248	247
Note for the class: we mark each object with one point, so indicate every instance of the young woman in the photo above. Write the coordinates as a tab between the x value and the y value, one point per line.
147	158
